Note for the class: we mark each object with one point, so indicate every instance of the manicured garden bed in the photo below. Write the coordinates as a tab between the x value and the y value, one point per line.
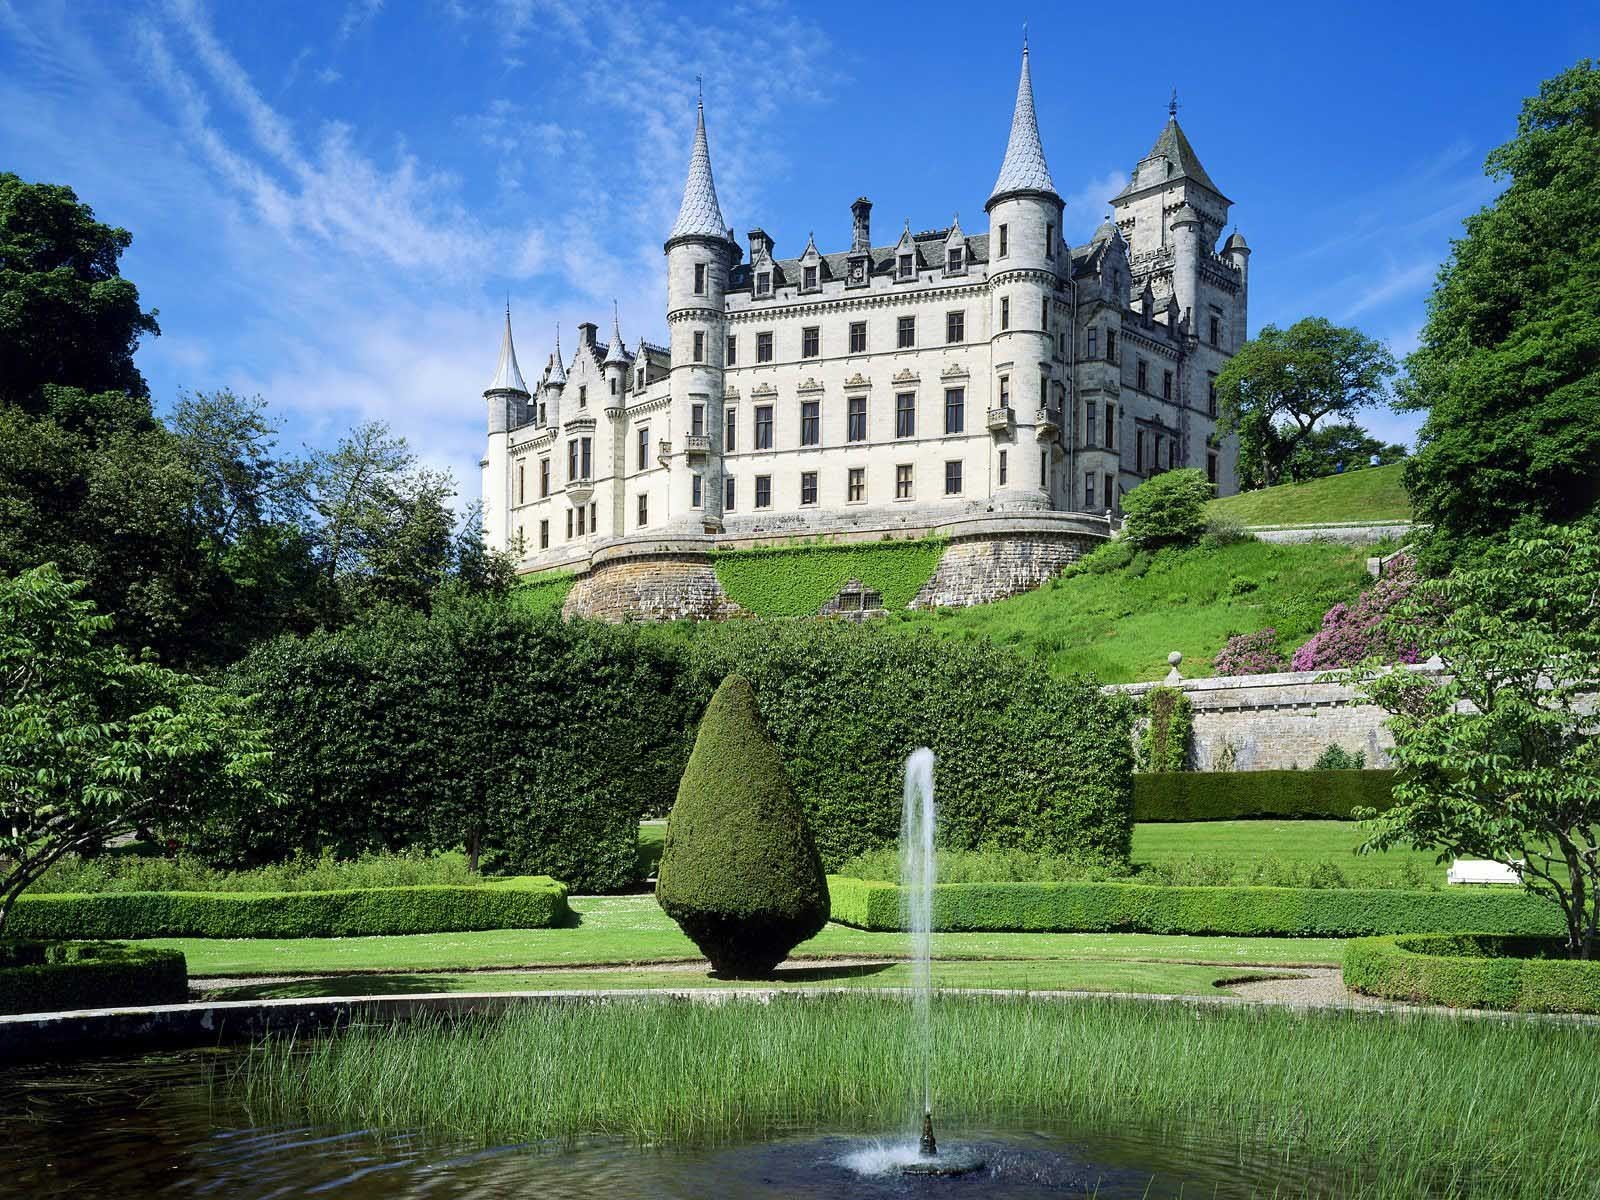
51	976
1474	970
523	902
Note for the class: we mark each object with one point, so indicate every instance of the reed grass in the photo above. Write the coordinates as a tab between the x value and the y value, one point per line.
1409	1106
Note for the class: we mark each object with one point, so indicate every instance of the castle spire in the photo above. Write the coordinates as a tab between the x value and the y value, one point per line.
507	375
615	353
558	371
699	215
1023	169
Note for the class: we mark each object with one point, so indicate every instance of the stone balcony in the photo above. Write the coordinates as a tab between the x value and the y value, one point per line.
1000	419
579	490
696	445
663	451
1047	423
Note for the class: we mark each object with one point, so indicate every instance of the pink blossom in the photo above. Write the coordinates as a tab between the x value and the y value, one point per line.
1250	654
1353	633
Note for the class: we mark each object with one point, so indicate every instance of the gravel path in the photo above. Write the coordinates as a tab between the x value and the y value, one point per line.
1310	987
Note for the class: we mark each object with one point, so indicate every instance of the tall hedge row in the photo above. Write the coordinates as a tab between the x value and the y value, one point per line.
1025	761
1233	795
1473	970
36	977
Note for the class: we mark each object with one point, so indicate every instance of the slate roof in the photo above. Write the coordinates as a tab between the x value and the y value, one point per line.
1173	145
1023	168
507	375
699	215
929	248
558	371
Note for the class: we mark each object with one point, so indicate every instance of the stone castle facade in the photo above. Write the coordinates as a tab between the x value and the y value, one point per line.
943	377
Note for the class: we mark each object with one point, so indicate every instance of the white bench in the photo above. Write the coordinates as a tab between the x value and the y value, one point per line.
1481	870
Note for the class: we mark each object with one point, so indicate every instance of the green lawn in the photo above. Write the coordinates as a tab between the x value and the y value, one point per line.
1370	494
633	929
1122	624
1288	841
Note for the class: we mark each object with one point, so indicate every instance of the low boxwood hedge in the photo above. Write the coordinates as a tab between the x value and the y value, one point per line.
1234	911
1233	795
523	902
51	977
1473	970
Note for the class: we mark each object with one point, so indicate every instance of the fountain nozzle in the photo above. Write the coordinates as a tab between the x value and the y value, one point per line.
927	1147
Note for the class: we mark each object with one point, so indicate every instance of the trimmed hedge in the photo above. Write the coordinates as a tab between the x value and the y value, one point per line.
525	902
52	977
796	581
1228	911
1474	970
1232	795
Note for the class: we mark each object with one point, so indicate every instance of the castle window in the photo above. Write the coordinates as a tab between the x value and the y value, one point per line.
1088	491
1044	390
583	395
764	427
810	422
730	440
1110	491
1049	239
699	346
857	424
542	417
521	485
572	459
1216	331
811	279
733	350
544	535
902	481
641	384
644	510
906	332
763	283
613	382
763	491
1094	344
1111	427
906	266
1211	394
582	512
856	485
697	420
955	261
594	522
1044	314
1002	253
955	327
1211	468
905	415
1002	468
1172	454
588	458
727	493
810	342
1005	312
1005	391
544	477
952	478
1143	375
1111	345
858	337
1044	468
569	524
1155	459
644	447
696	487
1088	425
808	487
700	279
955	410
1166	385
763	347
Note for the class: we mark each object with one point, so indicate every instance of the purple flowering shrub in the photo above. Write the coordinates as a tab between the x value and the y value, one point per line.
1354	633
1250	654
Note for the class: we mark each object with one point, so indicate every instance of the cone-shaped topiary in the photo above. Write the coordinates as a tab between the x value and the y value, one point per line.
740	873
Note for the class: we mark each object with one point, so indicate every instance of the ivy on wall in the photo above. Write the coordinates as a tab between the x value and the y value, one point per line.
796	581
1164	740
543	593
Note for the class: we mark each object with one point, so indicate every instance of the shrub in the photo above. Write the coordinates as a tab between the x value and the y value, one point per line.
302	873
977	866
1471	970
1337	758
1233	795
52	977
740	872
533	902
1226	911
1251	654
1224	530
1169	510
1355	633
1164	740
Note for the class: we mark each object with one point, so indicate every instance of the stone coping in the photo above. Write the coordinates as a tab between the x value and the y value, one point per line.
1242	683
98	1032
1402	524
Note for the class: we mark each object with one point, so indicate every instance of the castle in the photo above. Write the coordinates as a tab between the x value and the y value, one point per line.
948	374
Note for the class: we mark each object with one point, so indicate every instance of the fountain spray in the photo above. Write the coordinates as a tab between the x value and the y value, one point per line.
918	870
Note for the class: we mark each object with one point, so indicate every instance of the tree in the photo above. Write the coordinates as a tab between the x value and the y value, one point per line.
1508	365
1169	510
1500	757
1282	382
1340	446
67	316
93	743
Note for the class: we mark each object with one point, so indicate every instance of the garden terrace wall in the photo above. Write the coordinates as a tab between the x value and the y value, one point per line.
41	977
1226	911
525	902
1468	970
1237	795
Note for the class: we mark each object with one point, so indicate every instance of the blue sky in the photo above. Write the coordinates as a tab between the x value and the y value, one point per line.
330	202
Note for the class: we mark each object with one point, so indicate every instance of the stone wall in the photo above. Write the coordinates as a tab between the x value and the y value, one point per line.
1273	722
1350	535
643	584
978	570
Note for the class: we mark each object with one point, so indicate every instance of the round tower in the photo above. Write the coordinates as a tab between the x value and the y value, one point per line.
1186	227
615	365
1024	238
1238	255
506	398
699	256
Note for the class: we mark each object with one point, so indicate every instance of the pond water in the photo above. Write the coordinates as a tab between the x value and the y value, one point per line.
154	1126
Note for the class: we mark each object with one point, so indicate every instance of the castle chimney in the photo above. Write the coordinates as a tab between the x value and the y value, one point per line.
861	237
587	333
759	241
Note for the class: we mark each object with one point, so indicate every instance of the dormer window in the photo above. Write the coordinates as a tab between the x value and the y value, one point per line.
905	266
955	261
810	277
763	283
641	380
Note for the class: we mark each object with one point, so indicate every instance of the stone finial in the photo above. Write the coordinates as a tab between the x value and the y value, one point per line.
1174	659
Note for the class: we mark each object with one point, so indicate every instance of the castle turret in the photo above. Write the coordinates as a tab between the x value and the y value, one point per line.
1024	235
1238	255
615	364
552	387
1186	249
507	398
700	253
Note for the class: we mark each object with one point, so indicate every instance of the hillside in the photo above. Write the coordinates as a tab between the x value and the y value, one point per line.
1120	624
1370	494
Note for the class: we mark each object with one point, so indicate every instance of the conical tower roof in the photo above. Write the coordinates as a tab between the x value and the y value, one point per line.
615	353
558	370
507	375
1024	169
699	215
1172	144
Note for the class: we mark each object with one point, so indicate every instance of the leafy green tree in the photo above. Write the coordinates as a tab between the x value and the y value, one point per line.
1508	369
1282	382
1500	758
1169	510
93	743
1344	445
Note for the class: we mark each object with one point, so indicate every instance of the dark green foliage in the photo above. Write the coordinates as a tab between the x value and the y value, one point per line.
1228	911
1337	758
796	581
61	976
1169	510
1508	369
1231	795
526	902
740	872
1026	761
1164	740
1339	448
1474	970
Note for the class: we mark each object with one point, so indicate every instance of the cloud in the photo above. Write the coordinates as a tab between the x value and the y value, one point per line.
357	15
1396	281
1087	207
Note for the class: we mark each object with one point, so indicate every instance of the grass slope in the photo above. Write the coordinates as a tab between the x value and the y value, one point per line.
1370	494
796	581
1306	842
1121	625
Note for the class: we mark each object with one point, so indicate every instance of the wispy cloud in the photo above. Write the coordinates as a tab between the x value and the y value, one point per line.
1087	207
357	15
1395	282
